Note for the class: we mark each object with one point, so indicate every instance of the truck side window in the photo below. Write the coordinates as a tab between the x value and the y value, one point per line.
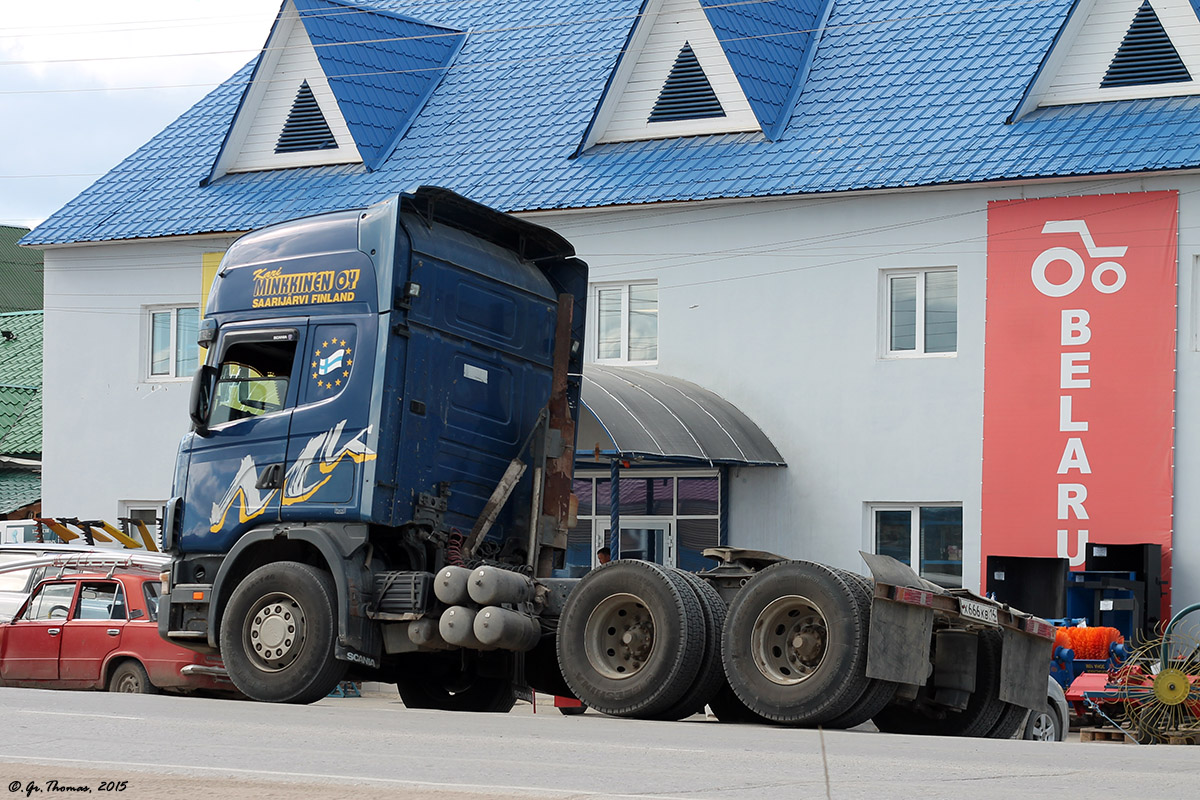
253	380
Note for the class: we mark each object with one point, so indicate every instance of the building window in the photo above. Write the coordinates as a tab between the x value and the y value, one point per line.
929	537
627	323
173	349
665	518
921	312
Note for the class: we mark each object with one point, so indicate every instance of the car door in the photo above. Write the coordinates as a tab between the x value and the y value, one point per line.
236	468
93	631
30	649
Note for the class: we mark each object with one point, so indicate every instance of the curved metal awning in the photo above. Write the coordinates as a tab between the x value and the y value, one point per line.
633	413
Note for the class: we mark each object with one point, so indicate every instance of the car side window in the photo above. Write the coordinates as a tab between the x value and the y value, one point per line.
100	600
51	601
151	591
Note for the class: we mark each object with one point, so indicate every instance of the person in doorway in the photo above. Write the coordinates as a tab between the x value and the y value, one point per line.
603	555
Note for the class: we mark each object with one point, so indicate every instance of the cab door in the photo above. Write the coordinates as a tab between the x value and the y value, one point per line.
328	448
30	648
236	466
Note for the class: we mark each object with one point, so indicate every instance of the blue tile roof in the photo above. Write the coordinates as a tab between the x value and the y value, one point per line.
381	67
899	93
769	46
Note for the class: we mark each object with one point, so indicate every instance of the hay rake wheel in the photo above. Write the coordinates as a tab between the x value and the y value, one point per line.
1159	685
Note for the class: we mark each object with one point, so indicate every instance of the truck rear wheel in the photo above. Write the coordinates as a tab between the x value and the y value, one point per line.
878	692
984	707
630	639
728	707
795	644
711	674
278	634
443	682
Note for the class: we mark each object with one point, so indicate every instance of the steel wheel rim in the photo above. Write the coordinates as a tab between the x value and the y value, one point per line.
1043	727
618	638
129	684
789	640
274	635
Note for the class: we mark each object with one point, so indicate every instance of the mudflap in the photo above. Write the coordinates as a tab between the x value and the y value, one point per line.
898	649
1024	669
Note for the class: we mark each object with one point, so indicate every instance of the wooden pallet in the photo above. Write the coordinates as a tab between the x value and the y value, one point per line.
1102	735
1183	737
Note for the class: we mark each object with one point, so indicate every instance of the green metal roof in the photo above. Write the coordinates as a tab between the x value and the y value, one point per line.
20	272
21	384
18	488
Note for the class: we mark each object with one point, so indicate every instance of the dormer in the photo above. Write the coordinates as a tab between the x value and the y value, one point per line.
1120	50
697	67
335	84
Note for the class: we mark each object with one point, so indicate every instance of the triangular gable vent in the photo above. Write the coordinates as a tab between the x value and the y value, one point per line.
1146	55
1119	50
687	94
306	128
673	79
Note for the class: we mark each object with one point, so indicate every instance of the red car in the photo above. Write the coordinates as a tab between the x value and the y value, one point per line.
100	631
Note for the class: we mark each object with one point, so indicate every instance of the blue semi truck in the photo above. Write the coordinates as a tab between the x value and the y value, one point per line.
377	484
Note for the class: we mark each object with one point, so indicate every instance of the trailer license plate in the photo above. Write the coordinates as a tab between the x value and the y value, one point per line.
979	611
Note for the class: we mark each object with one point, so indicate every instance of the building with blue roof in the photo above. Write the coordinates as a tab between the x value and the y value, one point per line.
802	206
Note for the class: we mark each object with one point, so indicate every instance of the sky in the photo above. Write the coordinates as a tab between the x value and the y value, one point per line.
84	83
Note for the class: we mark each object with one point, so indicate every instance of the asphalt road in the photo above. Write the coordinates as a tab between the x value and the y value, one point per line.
372	747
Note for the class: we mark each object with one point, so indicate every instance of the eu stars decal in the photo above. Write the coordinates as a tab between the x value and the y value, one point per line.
331	363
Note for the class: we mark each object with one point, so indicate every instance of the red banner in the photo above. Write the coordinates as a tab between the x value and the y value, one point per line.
1079	379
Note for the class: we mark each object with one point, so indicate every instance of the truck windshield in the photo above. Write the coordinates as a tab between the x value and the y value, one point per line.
253	380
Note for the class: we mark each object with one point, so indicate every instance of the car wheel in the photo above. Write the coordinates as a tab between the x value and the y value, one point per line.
1044	725
278	634
130	678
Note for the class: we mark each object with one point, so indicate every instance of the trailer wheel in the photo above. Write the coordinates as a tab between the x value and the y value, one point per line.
795	644
630	639
711	674
441	681
278	634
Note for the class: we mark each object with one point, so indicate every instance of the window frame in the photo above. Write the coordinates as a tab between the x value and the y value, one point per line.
886	277
596	524
171	375
624	287
914	532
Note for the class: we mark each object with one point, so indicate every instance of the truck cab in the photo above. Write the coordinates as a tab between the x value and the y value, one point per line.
368	377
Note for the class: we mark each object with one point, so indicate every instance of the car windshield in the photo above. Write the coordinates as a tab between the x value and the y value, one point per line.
151	590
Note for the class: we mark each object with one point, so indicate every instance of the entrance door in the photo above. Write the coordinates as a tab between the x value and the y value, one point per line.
644	539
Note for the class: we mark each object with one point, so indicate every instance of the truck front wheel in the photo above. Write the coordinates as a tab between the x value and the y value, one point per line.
278	634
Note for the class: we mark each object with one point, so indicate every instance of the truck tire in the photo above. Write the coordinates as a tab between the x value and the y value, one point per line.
278	633
130	677
728	707
711	674
440	681
878	693
795	644
1012	718
630	639
983	710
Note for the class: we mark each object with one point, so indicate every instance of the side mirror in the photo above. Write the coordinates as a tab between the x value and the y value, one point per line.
202	390
137	613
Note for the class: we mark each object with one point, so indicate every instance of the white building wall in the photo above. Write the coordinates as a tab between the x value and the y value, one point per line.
109	434
777	306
